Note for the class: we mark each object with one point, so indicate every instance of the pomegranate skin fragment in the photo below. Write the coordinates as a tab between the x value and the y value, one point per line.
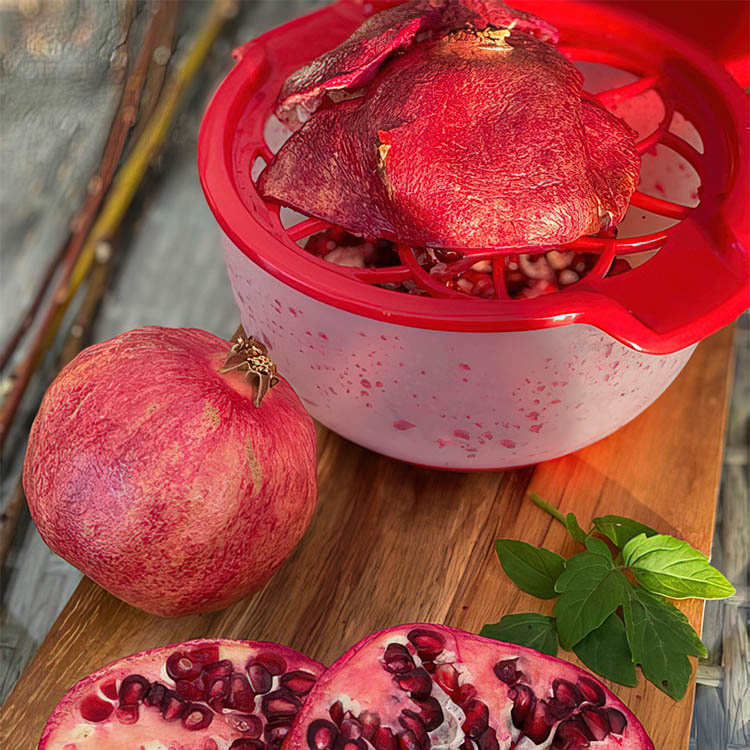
471	136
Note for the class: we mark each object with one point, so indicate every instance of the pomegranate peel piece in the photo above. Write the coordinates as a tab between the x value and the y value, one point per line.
482	694
473	137
147	712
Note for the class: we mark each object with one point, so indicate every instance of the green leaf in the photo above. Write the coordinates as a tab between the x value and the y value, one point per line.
533	569
591	589
571	524
606	652
660	639
621	530
673	568
527	629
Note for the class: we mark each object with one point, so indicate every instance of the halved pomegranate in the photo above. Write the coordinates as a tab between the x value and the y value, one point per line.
417	687
198	695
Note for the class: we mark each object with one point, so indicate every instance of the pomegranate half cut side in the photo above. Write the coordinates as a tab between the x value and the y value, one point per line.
416	687
199	695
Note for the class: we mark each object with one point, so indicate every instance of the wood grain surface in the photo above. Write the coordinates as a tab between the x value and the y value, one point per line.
391	543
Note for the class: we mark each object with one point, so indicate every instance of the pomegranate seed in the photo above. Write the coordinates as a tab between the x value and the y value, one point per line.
351	745
410	721
280	703
431	713
370	721
195	717
261	678
241	697
205	655
274	663
181	667
617	720
299	682
523	703
383	739
538	723
133	689
351	729
429	666
93	708
466	693
408	741
155	695
477	718
446	677
597	722
506	671
215	670
190	690
566	697
276	731
321	734
417	683
397	659
429	643
571	734
127	714
217	693
337	712
591	691
172	707
250	725
245	743
488	740
109	689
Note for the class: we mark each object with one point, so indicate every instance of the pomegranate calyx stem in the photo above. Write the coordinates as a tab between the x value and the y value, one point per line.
252	355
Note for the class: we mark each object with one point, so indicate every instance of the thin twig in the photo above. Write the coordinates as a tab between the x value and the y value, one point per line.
121	194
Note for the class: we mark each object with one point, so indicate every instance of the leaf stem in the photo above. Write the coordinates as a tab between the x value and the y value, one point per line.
547	508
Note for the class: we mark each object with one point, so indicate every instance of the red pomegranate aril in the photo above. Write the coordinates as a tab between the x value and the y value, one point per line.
417	682
195	717
248	724
93	708
245	743
351	729
566	697
172	707
204	655
488	740
321	735
477	718
591	691
538	723
261	679
408	741
155	695
127	714
428	643
280	703
524	701
299	682
431	713
446	677
343	744
190	690
370	721
133	689
597	722
466	693
109	689
384	739
181	667
217	693
241	696
337	712
276	731
410	721
572	734
506	671
274	663
397	659
616	720
216	669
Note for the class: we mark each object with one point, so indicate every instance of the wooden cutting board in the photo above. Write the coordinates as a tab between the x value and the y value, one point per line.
391	543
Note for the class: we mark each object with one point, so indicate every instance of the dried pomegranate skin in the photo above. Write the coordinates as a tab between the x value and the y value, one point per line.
89	716
155	475
468	692
472	136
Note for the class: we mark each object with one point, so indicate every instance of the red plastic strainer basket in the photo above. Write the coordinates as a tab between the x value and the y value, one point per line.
695	278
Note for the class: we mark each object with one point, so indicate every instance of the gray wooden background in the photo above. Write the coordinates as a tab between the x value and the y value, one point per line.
61	73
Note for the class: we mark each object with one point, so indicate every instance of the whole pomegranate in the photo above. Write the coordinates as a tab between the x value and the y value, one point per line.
199	695
150	470
417	687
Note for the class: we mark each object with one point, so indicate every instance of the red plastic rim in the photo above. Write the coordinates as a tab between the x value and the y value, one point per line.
696	283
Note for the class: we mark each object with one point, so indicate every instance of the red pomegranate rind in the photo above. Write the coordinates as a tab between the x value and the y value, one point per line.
520	161
89	717
355	63
155	475
491	695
